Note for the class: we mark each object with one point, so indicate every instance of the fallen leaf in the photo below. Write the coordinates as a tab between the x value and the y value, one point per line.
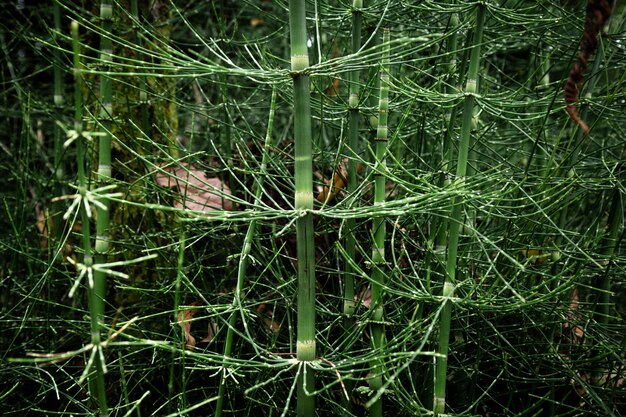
338	183
197	191
184	320
211	332
577	331
45	226
332	90
364	297
44	222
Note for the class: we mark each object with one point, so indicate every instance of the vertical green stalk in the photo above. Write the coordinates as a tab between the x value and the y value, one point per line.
105	121
602	285
80	143
225	134
353	145
607	249
373	75
378	230
304	204
440	226
97	387
456	217
103	177
143	92
245	253
436	268
58	138
182	377
353	153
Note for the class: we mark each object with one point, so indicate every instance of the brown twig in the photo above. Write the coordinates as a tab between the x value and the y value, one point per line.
597	13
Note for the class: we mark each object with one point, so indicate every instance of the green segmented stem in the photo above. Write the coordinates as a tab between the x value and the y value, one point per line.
97	386
244	259
143	88
103	177
304	202
471	89
378	228
353	144
58	138
105	120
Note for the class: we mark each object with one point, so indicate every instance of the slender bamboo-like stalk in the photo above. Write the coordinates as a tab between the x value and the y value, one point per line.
97	387
353	149
456	217
353	145
80	151
143	92
437	260
304	203
105	119
182	376
378	229
608	248
80	143
245	253
103	177
440	225
58	138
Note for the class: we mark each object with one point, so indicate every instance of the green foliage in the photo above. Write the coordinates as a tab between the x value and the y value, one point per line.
203	220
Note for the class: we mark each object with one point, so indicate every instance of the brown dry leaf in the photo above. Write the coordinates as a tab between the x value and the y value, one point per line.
332	90
577	332
340	178
211	332
197	95
271	325
197	191
364	297
44	222
45	227
184	320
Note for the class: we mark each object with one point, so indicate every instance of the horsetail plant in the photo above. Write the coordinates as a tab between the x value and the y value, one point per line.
608	248
303	203
97	386
510	312
244	258
143	93
58	104
437	260
103	178
353	145
456	216
440	223
378	231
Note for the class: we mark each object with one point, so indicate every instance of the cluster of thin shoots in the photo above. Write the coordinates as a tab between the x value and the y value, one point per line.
534	229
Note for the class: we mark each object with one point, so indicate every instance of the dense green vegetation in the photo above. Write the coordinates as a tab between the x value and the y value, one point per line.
267	208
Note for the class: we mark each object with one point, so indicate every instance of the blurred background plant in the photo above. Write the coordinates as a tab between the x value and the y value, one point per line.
199	279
